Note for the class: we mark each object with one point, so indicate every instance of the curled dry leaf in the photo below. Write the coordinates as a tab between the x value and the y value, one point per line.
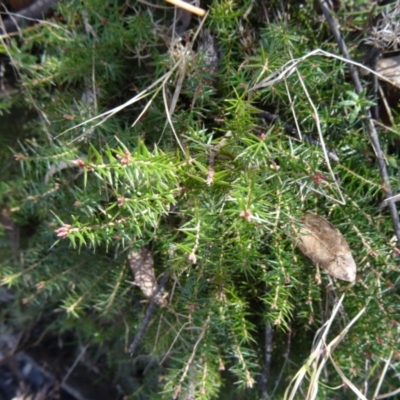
320	241
142	267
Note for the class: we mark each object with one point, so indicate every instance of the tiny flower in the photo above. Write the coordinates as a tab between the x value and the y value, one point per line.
192	258
210	177
79	163
318	178
63	231
389	285
121	201
126	159
19	157
192	307
246	215
77	203
274	166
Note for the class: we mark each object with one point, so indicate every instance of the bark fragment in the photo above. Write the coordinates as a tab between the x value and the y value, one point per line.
142	266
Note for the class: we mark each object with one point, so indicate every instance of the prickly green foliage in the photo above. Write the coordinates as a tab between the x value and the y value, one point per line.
215	199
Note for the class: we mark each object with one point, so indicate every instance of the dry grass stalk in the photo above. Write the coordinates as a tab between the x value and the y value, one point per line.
320	354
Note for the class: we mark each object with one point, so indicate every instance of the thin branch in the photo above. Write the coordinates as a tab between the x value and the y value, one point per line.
286	356
32	13
387	395
321	137
149	313
294	132
383	375
268	357
191	358
75	363
373	135
289	67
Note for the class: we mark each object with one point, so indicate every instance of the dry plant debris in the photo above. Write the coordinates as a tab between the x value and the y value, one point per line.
142	266
208	50
389	68
385	35
326	247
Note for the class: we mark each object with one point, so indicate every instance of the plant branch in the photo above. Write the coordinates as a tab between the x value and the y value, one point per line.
373	135
149	313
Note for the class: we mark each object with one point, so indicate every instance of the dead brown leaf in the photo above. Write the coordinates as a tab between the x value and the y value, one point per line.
326	247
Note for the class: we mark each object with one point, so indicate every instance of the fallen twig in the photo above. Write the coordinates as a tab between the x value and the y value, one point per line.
188	7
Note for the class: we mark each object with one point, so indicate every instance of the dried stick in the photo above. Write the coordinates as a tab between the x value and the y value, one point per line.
188	7
373	135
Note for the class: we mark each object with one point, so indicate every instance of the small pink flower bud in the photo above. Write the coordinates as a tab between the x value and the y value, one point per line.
192	258
19	157
63	231
126	159
246	214
79	163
